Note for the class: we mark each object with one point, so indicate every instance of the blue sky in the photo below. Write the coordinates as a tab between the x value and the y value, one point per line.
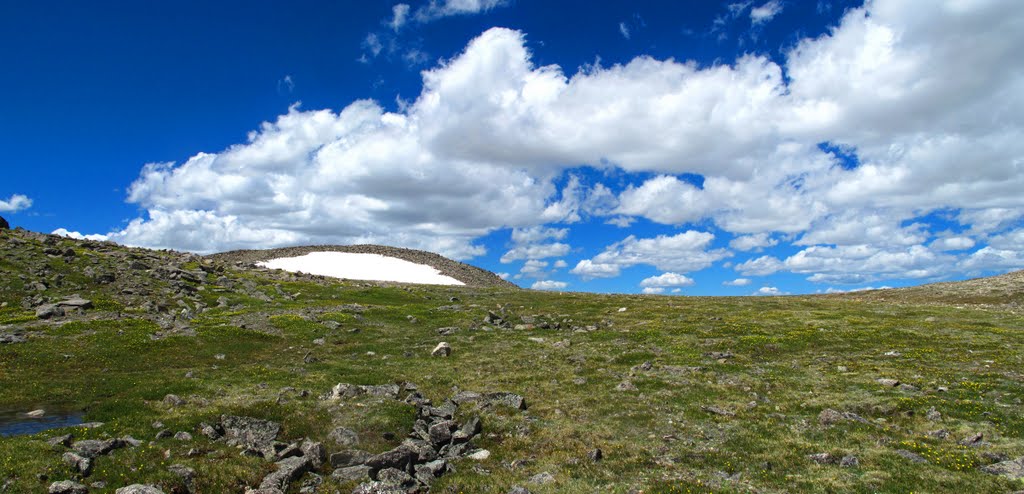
697	148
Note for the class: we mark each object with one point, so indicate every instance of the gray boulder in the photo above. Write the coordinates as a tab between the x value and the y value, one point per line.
91	448
78	463
1011	469
67	487
349	458
139	489
288	470
352	473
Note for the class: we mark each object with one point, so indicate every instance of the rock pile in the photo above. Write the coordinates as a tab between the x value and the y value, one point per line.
437	438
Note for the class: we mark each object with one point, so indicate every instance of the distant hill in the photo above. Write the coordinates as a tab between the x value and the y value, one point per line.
470	275
1004	291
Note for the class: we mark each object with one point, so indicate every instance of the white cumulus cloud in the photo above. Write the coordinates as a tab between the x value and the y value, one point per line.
926	99
549	285
15	203
667	280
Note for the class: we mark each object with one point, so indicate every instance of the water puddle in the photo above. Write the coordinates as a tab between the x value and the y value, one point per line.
20	423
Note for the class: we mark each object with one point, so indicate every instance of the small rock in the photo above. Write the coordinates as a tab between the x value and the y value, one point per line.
78	463
913	457
849	461
908	387
173	400
972	440
139	489
933	415
442	349
64	440
344	437
479	455
67	487
516	489
889	383
622	309
187	475
507	399
595	455
625	386
36	414
823	458
183	436
718	411
542	478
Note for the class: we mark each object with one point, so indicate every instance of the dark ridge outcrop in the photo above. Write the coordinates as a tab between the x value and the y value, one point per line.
470	275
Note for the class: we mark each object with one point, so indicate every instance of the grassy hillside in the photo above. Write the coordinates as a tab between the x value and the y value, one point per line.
679	394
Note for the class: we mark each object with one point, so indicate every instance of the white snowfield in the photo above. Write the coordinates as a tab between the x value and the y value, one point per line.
361	267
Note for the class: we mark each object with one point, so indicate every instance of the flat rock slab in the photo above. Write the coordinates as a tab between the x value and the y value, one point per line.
1011	469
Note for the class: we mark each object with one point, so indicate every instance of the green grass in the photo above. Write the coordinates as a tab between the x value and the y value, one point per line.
786	367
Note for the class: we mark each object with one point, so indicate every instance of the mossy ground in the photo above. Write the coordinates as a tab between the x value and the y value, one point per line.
792	358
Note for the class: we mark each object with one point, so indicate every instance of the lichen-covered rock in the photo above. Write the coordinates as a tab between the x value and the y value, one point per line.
67	487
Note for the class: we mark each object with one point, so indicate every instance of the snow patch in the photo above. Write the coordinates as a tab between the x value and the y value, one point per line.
361	267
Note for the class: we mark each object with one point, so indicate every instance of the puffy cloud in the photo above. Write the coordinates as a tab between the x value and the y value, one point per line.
667	280
737	282
588	270
992	258
527	247
880	228
549	285
15	203
762	266
446	8
533	269
684	252
952	243
766	12
752	242
769	291
652	290
484	143
864	263
559	264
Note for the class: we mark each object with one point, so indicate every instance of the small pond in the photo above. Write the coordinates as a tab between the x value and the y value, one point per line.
19	423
